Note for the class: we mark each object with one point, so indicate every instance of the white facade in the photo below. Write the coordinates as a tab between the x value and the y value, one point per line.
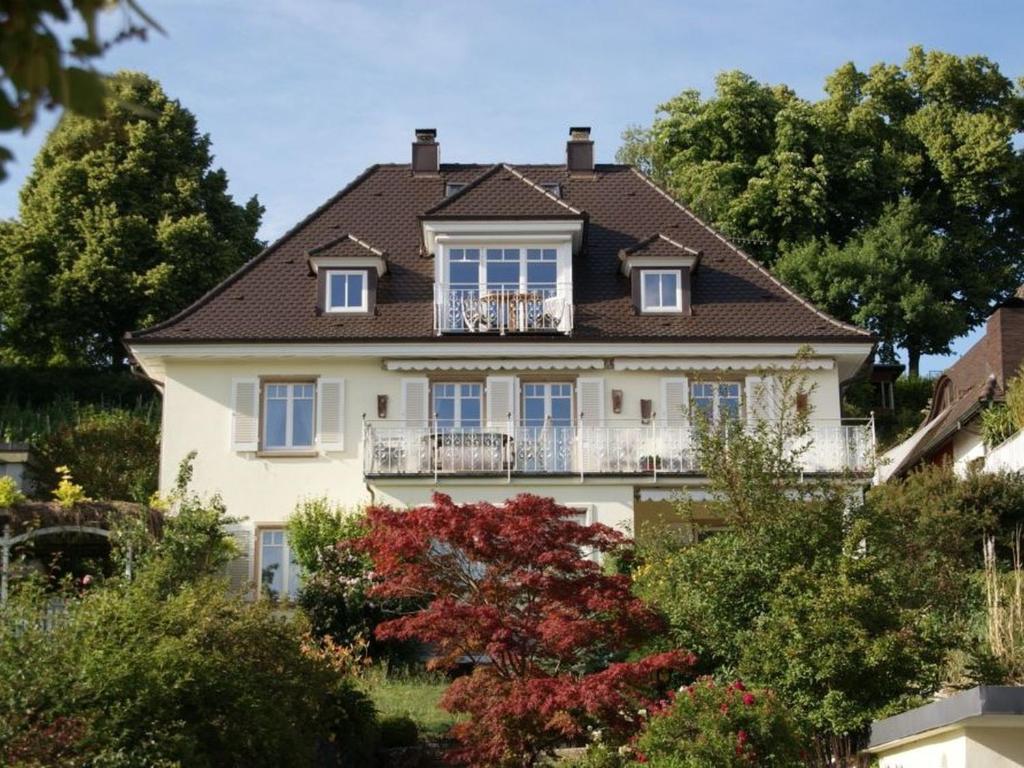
986	742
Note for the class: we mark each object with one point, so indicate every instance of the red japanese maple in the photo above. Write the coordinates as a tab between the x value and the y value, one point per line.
515	588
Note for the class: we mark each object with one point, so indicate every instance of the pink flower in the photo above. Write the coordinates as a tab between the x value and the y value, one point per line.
738	685
741	737
724	709
748	699
86	580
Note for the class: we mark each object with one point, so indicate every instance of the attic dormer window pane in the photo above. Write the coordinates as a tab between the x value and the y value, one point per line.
346	291
660	291
552	189
451	187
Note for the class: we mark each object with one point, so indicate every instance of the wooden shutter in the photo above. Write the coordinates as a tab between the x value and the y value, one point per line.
590	400
760	396
675	400
331	411
245	414
239	568
501	396
416	401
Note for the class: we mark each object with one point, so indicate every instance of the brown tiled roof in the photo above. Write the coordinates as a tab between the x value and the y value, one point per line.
345	246
658	246
502	192
273	297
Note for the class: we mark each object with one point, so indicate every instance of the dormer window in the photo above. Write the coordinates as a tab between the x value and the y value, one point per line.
347	290
661	290
452	187
552	188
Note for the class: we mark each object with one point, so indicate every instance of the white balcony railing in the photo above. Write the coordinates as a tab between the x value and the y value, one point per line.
393	449
472	308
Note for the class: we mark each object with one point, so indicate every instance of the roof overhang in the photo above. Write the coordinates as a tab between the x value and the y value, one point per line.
377	263
482	231
523	364
721	364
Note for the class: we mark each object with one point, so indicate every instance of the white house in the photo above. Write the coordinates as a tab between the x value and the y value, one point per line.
483	330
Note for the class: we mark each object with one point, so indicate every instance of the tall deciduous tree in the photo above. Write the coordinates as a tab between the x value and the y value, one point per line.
922	152
123	221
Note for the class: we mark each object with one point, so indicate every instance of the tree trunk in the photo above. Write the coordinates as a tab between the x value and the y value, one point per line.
913	362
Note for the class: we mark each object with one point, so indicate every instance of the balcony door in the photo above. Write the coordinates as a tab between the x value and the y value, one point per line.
547	435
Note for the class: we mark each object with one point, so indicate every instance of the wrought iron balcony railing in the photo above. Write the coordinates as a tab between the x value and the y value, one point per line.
393	448
501	309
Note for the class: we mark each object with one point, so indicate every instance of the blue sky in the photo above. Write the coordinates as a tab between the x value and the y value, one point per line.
300	95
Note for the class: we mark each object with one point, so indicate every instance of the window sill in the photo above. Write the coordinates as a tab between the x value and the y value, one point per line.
304	454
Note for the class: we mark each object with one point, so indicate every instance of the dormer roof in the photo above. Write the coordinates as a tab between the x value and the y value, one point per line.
658	251
502	192
346	251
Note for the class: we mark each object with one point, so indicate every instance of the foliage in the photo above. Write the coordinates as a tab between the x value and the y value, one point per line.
316	526
1015	397
68	493
36	388
130	675
410	693
514	584
845	609
892	201
36	69
709	724
912	395
997	425
114	453
9	493
1004	615
398	731
123	222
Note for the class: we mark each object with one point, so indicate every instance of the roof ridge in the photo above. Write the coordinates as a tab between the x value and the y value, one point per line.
259	257
750	259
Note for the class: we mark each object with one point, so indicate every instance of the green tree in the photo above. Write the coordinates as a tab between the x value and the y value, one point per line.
907	172
36	51
123	221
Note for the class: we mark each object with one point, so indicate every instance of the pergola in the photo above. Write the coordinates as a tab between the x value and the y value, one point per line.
30	520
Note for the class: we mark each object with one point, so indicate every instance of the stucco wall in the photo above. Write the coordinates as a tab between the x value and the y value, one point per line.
197	416
947	750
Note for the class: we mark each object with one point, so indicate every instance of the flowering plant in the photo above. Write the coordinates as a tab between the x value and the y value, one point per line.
68	493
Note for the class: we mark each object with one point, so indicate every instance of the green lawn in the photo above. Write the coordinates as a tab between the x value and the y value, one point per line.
412	695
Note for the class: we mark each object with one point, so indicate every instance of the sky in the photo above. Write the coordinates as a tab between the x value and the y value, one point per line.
299	96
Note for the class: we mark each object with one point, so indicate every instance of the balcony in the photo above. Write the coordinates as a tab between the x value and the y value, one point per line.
392	449
472	308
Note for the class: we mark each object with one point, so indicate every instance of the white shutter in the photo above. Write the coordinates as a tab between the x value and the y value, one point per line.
239	569
416	402
590	400
675	400
245	414
331	411
501	401
760	397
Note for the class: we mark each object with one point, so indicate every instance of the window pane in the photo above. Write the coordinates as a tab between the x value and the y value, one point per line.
669	282
355	290
337	291
463	273
302	422
502	271
541	274
729	401
651	285
294	573
271	564
702	397
444	407
275	430
561	406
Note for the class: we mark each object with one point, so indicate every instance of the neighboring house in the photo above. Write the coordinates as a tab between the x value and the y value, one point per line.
883	380
952	430
483	330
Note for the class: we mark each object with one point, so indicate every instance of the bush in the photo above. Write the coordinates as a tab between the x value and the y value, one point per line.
398	731
709	725
113	454
9	493
129	675
997	424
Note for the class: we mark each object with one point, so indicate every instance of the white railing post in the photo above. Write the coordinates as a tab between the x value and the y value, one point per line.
874	437
435	449
362	445
510	439
579	444
5	562
656	454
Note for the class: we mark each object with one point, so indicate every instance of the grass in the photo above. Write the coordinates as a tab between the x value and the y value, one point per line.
414	695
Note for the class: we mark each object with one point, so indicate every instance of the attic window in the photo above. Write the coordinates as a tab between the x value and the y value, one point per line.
346	290
451	187
552	188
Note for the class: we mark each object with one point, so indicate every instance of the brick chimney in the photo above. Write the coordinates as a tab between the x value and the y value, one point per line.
579	151
426	152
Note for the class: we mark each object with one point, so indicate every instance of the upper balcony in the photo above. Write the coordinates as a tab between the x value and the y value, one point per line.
503	308
394	449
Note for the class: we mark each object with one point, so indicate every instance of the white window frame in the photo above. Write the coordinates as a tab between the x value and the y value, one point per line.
548	398
289	445
678	274
457	413
286	559
329	305
716	407
523	261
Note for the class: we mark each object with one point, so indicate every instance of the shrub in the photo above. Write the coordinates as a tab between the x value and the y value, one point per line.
398	731
997	424
316	526
114	454
708	724
9	493
513	584
129	675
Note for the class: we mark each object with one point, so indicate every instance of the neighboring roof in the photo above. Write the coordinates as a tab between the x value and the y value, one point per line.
502	192
976	702
658	246
273	297
973	382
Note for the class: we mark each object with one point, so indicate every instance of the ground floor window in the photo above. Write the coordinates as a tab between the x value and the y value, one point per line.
717	400
280	575
288	415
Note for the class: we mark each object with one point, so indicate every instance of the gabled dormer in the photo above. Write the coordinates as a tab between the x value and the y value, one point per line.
503	250
660	272
346	270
